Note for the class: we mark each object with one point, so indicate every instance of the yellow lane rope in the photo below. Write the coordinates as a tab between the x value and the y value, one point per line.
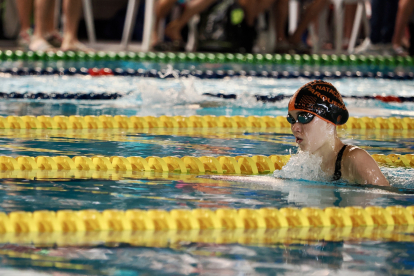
167	238
208	121
102	166
160	227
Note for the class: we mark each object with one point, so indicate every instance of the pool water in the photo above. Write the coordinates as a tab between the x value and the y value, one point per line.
143	96
184	96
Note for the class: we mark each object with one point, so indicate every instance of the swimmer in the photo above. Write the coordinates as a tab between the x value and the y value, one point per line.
314	111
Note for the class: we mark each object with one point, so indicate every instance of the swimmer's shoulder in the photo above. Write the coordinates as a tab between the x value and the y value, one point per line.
360	167
350	159
353	152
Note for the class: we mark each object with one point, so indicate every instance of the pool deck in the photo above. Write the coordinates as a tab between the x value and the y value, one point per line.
99	46
106	46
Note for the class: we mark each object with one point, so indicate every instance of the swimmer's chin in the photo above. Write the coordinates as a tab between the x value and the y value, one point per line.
303	149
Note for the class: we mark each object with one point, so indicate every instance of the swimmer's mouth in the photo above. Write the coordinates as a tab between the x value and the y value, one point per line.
298	140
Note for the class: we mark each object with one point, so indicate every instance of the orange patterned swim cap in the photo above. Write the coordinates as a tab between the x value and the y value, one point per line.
322	99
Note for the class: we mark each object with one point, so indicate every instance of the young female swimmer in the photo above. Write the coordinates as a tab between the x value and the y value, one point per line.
314	111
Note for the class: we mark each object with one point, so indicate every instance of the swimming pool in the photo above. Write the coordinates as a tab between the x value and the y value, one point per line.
362	251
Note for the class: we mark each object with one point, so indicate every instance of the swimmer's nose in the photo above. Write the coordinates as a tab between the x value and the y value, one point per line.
296	127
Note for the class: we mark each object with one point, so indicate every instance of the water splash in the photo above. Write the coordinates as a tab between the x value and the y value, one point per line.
183	95
169	71
303	166
180	97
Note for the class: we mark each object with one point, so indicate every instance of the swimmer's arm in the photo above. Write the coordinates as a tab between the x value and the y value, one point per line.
364	169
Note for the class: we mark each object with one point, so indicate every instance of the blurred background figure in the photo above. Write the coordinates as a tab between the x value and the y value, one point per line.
173	29
231	26
312	10
222	15
350	10
223	25
162	9
405	10
280	12
45	35
382	25
25	10
294	43
72	10
44	24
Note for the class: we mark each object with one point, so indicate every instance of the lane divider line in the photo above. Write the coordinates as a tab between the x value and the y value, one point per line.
331	223
116	167
195	121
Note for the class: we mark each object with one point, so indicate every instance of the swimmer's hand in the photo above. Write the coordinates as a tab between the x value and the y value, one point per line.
362	168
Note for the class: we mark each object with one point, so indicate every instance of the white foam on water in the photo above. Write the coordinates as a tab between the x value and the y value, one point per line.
183	95
166	93
181	98
303	166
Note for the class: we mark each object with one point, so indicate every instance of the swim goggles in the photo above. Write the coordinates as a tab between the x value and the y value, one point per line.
303	118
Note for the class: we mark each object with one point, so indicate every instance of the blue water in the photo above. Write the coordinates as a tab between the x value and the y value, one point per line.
319	258
184	97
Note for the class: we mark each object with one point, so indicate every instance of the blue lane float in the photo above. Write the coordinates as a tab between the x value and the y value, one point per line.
280	97
60	96
206	74
115	95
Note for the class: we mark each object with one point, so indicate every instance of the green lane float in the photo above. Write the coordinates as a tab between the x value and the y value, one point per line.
315	59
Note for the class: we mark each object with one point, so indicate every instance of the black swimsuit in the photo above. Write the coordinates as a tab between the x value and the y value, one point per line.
337	174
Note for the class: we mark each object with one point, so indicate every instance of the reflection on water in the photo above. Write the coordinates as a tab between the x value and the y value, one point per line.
316	258
190	191
183	142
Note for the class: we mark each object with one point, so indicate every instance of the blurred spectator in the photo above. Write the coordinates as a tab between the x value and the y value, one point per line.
45	36
350	10
405	9
230	26
253	8
281	11
72	10
294	42
250	11
311	12
162	9
173	29
43	17
349	17
382	24
24	8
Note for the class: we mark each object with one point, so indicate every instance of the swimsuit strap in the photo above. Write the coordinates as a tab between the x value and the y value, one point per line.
337	174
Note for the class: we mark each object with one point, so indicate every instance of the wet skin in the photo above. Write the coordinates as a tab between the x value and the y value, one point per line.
319	137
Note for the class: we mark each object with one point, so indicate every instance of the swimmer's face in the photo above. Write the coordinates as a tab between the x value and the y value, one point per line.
311	136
